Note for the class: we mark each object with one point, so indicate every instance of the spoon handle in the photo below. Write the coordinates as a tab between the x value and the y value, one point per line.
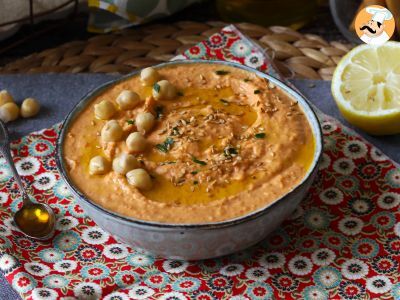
5	150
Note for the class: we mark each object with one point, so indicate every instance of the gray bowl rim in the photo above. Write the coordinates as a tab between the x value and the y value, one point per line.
85	100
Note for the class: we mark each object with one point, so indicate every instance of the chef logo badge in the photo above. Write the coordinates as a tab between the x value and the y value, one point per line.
374	25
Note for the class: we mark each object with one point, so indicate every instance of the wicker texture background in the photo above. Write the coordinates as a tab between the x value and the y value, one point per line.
295	54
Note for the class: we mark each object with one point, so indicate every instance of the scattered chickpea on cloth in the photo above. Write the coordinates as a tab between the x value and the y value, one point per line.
9	110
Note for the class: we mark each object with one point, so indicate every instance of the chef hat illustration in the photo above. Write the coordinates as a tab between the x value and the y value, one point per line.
379	14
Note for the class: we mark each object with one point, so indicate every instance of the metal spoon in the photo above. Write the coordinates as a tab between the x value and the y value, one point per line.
35	220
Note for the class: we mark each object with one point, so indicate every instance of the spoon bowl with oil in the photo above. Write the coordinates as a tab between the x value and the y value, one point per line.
35	220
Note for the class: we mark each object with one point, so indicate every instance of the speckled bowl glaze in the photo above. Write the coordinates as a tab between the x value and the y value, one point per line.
196	241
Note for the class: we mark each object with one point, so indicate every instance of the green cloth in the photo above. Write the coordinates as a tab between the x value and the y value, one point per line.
110	15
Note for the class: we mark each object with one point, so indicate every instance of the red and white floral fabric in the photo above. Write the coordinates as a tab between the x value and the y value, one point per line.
343	242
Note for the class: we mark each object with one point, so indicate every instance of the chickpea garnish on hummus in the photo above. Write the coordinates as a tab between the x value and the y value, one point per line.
189	144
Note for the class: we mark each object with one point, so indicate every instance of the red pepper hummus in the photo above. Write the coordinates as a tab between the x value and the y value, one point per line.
226	143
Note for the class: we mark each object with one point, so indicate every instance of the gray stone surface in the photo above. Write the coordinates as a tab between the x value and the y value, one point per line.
320	95
58	93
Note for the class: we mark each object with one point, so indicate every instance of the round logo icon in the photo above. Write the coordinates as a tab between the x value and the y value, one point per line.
374	24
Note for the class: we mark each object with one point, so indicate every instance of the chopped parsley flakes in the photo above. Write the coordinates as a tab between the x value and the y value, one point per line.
229	151
166	145
168	163
156	87
224	102
222	72
197	161
260	135
159	111
175	131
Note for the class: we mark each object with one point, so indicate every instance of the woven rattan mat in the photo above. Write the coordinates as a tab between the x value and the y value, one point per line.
295	54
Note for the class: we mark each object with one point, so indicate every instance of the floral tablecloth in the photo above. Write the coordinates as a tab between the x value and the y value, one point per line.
343	242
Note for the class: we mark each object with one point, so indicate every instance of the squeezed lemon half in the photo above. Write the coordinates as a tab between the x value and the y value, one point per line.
366	88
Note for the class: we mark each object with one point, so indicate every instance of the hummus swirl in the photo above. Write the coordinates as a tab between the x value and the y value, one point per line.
228	144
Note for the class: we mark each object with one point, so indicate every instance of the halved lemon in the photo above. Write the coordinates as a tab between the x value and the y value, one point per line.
366	88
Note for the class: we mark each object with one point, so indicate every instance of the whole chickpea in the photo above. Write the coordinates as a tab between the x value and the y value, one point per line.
29	108
136	142
149	76
111	132
144	121
140	179
5	97
9	112
98	165
124	162
128	100
164	90
104	110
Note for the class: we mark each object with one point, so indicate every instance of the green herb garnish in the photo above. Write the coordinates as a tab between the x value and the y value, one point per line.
228	151
159	112
166	146
246	80
156	87
260	135
179	93
257	92
194	172
197	161
168	162
221	72
224	102
130	122
195	182
175	131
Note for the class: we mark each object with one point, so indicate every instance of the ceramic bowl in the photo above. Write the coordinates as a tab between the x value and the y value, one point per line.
196	241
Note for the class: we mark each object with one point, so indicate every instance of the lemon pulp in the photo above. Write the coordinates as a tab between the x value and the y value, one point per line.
366	88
